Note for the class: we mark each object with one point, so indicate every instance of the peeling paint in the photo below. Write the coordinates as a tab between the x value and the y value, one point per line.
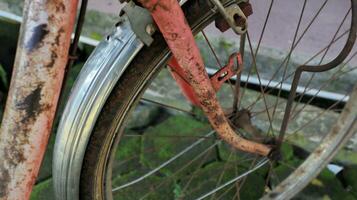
38	34
4	179
31	105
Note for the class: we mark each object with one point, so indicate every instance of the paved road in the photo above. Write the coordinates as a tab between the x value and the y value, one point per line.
282	23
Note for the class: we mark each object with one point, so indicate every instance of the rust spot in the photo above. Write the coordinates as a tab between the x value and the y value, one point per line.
301	171
57	39
211	95
39	32
54	46
334	130
55	5
4	180
14	155
173	36
319	151
219	119
54	57
60	7
31	104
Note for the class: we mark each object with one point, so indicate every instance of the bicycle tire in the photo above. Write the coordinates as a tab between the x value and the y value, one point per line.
125	96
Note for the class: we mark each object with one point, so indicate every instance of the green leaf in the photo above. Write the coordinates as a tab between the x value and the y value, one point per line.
172	136
127	156
96	36
43	191
325	186
287	151
3	77
152	187
349	175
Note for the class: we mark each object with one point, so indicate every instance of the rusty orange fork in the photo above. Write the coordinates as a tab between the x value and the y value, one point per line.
171	21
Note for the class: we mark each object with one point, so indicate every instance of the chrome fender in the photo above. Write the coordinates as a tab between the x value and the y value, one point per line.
95	82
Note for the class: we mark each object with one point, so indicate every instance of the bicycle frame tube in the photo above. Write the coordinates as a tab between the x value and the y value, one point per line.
170	19
38	72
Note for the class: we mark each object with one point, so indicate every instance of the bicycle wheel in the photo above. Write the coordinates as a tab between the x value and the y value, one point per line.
148	142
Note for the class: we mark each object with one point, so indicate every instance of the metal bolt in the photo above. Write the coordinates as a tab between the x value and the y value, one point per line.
150	29
246	8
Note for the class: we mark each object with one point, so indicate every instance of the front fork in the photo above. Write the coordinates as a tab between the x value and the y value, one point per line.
171	21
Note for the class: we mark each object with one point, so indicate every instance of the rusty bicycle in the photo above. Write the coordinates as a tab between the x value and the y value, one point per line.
158	113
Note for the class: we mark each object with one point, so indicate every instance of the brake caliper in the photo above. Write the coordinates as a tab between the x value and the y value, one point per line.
235	17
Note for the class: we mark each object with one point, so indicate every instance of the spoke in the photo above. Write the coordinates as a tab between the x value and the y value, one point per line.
287	165
323	56
283	110
264	27
167	106
163	164
216	57
322	113
237	186
249	107
259	165
211	48
288	60
173	136
328	109
222	173
241	182
258	46
151	150
334	76
258	76
298	41
270	171
195	172
236	95
231	164
183	167
225	192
